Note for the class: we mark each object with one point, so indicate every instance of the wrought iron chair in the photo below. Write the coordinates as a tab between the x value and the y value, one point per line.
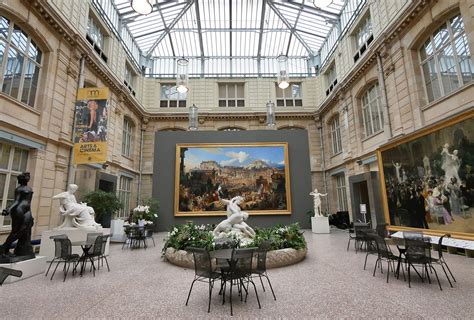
240	273
357	236
5	272
261	268
57	250
441	260
63	245
203	271
384	254
418	252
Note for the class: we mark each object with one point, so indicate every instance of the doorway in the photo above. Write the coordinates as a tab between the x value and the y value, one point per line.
361	194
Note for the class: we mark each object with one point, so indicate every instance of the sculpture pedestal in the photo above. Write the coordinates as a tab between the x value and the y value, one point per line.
29	268
320	225
74	234
116	230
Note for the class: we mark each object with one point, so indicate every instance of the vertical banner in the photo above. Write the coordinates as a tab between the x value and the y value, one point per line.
90	126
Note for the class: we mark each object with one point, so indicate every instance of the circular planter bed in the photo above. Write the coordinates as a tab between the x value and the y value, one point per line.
275	258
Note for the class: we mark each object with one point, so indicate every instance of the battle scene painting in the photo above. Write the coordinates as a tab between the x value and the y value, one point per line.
206	173
429	180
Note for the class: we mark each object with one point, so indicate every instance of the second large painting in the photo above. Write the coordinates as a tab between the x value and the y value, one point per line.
257	172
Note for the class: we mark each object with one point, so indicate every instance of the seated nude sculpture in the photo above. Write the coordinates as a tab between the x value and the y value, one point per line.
76	215
235	219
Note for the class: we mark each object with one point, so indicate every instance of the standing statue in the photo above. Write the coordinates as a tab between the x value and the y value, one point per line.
398	166
317	201
450	163
22	222
76	215
235	222
427	166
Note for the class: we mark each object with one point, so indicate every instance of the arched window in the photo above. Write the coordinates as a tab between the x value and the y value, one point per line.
446	60
20	63
336	135
127	138
372	111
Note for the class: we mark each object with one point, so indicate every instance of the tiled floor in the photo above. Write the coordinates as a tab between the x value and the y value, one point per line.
329	283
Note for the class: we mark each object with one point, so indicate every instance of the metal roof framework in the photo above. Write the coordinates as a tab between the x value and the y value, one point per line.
230	37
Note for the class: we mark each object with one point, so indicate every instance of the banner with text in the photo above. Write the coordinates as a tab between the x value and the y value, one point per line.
90	126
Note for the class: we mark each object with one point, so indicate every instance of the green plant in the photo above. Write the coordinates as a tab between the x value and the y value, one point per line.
102	202
187	235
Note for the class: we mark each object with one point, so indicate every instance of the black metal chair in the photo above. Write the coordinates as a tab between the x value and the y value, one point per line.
240	273
203	271
441	260
385	254
261	267
418	252
98	252
149	235
57	250
357	236
5	272
63	245
371	247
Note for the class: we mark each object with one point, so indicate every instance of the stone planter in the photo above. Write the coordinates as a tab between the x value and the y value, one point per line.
275	258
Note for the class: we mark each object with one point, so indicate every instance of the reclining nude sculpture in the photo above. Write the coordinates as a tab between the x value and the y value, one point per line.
235	222
76	215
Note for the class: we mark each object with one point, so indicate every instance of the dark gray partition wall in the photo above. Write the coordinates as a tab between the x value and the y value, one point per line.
300	173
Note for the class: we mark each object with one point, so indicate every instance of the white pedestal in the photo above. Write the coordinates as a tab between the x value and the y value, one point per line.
29	268
116	230
74	234
320	224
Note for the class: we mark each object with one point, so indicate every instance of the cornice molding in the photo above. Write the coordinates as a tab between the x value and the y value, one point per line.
231	116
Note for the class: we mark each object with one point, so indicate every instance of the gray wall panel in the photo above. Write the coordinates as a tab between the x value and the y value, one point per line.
300	173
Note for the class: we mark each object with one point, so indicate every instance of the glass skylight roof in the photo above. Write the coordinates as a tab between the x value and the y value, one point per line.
232	37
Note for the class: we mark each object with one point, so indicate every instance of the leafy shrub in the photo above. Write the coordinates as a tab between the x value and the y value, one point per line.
187	235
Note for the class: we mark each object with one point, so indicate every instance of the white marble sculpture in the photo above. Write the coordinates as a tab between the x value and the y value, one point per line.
76	215
317	202
235	224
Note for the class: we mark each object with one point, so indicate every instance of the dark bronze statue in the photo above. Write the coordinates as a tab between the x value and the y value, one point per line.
22	222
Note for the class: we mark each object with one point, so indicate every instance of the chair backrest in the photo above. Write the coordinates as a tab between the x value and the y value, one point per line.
63	247
440	244
358	226
92	236
418	250
202	261
383	250
99	245
57	246
381	229
264	246
5	272
241	263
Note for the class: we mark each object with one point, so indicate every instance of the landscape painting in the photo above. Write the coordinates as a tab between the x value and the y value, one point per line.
428	179
206	173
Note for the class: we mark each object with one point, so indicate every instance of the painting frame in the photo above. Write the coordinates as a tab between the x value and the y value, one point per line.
179	146
457	119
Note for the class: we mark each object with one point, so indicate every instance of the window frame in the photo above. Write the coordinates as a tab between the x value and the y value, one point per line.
285	99
26	61
331	77
336	138
124	195
128	137
370	112
9	173
341	191
101	48
129	78
235	100
168	102
436	55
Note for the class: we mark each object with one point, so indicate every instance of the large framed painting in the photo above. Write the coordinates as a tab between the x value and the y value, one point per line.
427	179
259	172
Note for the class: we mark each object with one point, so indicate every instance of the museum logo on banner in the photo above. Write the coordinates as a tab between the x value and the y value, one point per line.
90	126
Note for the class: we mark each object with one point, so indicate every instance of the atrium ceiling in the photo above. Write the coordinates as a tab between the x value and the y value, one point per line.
232	37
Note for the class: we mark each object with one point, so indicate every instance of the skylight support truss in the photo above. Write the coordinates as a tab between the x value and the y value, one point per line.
201	43
260	38
172	24
289	26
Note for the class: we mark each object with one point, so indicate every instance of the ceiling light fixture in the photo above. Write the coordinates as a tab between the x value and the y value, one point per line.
182	76
321	3
142	6
283	77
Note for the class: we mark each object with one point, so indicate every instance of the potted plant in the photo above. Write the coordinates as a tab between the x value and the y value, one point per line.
105	204
145	214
